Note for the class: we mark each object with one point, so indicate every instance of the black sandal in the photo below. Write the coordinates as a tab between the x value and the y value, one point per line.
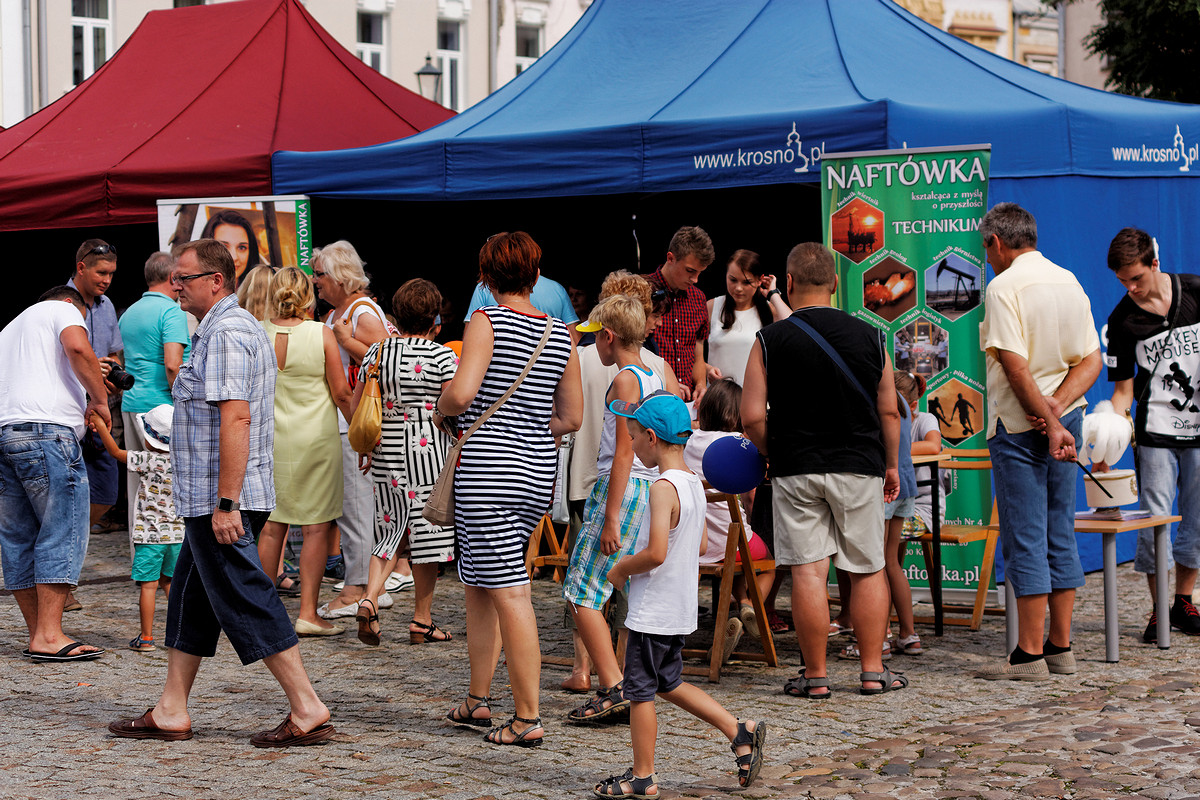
749	764
617	706
889	681
426	634
496	735
368	623
638	787
802	686
287	591
470	718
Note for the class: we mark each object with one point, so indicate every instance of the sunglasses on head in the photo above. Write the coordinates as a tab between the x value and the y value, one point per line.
102	250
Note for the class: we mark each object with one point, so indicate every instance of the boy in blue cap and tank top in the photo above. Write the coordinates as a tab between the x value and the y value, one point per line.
662	571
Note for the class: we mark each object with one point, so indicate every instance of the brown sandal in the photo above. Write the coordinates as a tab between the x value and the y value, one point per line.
426	634
368	623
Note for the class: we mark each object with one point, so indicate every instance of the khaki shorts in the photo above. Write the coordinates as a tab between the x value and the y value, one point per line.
837	515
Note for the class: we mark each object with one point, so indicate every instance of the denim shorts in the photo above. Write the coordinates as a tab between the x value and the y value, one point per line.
43	505
903	508
222	587
1035	496
104	474
154	561
653	665
1160	471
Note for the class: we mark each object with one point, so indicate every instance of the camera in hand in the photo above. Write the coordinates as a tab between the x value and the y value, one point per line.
120	378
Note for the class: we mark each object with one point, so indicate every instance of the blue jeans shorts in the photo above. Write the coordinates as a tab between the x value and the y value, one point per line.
104	474
43	505
154	561
653	665
222	587
1160	471
1035	496
902	508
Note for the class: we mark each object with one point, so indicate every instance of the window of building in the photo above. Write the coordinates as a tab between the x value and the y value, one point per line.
529	46
188	3
91	37
449	61
371	47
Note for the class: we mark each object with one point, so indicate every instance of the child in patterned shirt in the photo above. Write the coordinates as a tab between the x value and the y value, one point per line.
156	532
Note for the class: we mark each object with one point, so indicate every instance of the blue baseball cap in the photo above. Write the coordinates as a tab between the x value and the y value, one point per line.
661	412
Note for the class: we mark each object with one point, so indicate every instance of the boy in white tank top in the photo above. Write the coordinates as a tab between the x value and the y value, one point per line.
663	572
614	511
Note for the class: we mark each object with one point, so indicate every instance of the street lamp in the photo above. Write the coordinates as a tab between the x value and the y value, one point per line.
431	77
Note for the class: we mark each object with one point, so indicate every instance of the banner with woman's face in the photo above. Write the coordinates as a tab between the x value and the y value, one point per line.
256	230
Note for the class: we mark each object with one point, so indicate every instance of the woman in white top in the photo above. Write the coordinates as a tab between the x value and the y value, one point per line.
357	323
751	302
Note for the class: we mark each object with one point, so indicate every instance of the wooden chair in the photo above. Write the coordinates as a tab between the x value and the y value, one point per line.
557	557
726	569
967	459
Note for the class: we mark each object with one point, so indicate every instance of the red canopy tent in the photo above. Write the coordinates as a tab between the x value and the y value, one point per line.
193	105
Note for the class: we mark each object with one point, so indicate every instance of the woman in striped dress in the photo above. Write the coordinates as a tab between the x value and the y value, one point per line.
505	475
405	464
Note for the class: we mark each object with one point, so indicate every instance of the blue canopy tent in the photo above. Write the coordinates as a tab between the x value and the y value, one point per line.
703	94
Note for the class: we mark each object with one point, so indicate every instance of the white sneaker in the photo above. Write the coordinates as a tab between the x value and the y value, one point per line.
398	583
325	612
385	601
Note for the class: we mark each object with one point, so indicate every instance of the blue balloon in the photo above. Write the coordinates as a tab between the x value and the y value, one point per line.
733	465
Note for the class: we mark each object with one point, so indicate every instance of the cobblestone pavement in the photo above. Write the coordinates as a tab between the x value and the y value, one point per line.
1113	730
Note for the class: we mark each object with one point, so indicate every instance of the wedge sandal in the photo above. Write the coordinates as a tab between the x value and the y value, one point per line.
428	633
368	623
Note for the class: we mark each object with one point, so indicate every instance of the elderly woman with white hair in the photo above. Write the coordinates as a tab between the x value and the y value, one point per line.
357	322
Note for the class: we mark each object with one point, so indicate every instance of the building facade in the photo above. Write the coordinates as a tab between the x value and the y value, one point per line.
1044	36
48	47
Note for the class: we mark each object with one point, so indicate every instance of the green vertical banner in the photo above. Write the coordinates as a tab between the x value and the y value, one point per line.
304	245
904	228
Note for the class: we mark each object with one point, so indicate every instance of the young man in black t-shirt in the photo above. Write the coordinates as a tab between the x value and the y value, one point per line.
1154	356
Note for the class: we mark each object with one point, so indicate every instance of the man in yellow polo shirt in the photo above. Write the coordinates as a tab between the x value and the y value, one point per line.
1042	355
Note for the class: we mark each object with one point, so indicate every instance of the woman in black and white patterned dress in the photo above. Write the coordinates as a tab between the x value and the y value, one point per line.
505	476
405	464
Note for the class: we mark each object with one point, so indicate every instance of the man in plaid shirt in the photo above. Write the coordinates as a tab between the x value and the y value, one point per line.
222	459
680	338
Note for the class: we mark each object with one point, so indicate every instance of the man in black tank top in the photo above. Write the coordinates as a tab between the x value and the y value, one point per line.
832	436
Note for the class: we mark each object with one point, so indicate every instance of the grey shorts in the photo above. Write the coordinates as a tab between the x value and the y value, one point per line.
838	516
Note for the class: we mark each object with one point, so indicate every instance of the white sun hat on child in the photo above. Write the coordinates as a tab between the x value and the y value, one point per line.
156	426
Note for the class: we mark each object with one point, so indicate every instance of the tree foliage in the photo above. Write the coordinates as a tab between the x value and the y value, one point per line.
1152	47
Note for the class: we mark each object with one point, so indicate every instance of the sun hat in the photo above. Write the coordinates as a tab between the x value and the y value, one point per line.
156	426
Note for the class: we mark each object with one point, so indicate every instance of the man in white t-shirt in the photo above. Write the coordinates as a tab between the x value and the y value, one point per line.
50	380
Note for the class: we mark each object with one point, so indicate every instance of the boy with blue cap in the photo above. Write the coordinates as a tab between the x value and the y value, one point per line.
662	573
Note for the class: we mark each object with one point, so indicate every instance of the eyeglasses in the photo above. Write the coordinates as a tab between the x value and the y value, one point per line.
183	279
102	250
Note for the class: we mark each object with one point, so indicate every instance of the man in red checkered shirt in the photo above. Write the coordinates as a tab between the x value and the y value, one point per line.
680	337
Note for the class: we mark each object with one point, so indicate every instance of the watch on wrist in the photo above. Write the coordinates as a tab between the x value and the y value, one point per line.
773	292
225	504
